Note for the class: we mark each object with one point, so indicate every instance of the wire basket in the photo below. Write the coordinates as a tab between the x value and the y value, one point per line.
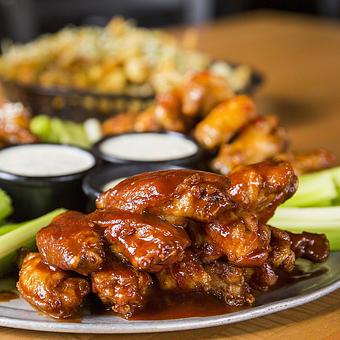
78	105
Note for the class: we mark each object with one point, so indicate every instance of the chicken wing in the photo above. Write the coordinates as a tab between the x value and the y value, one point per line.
50	290
280	256
168	112
70	243
261	139
314	247
218	278
237	241
147	121
202	91
148	242
170	193
14	124
122	287
304	162
262	187
224	121
121	123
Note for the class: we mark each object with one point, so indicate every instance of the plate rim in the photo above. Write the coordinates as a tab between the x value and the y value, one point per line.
182	324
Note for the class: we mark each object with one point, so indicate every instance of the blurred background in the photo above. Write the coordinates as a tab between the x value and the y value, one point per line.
23	20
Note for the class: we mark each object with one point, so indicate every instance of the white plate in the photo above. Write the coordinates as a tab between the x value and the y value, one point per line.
18	314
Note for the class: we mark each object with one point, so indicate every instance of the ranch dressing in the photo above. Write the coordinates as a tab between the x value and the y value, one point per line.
44	160
148	147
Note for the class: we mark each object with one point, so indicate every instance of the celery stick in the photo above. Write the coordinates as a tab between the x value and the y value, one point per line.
313	188
41	126
313	214
7	264
8	284
5	205
23	235
335	172
78	135
9	227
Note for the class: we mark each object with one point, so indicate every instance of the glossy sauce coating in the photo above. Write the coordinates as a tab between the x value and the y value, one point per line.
148	242
192	231
121	287
314	247
69	243
52	291
181	193
262	187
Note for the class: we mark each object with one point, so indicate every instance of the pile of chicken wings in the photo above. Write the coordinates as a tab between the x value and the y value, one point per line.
177	230
222	122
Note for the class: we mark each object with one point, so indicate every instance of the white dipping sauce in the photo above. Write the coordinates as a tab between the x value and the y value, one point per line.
113	183
43	160
148	147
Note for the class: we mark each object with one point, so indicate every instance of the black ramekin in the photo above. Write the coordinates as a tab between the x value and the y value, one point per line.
35	196
96	179
193	161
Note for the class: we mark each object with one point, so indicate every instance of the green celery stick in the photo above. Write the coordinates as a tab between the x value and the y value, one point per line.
78	135
310	214
5	205
41	126
9	227
8	284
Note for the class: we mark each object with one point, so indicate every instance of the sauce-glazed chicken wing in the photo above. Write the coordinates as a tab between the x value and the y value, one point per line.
262	187
192	194
70	243
217	278
237	241
121	287
148	242
224	121
261	139
192	231
50	290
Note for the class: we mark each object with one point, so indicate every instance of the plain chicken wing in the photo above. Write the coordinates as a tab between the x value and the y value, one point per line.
50	290
261	139
70	243
148	242
304	162
121	287
120	123
224	121
202	91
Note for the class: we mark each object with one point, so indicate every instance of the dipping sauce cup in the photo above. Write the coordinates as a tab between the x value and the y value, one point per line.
170	148
41	177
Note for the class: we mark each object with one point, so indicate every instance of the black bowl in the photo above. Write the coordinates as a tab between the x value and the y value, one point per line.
35	196
96	179
193	161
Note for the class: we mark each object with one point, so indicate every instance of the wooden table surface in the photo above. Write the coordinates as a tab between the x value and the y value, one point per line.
300	57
